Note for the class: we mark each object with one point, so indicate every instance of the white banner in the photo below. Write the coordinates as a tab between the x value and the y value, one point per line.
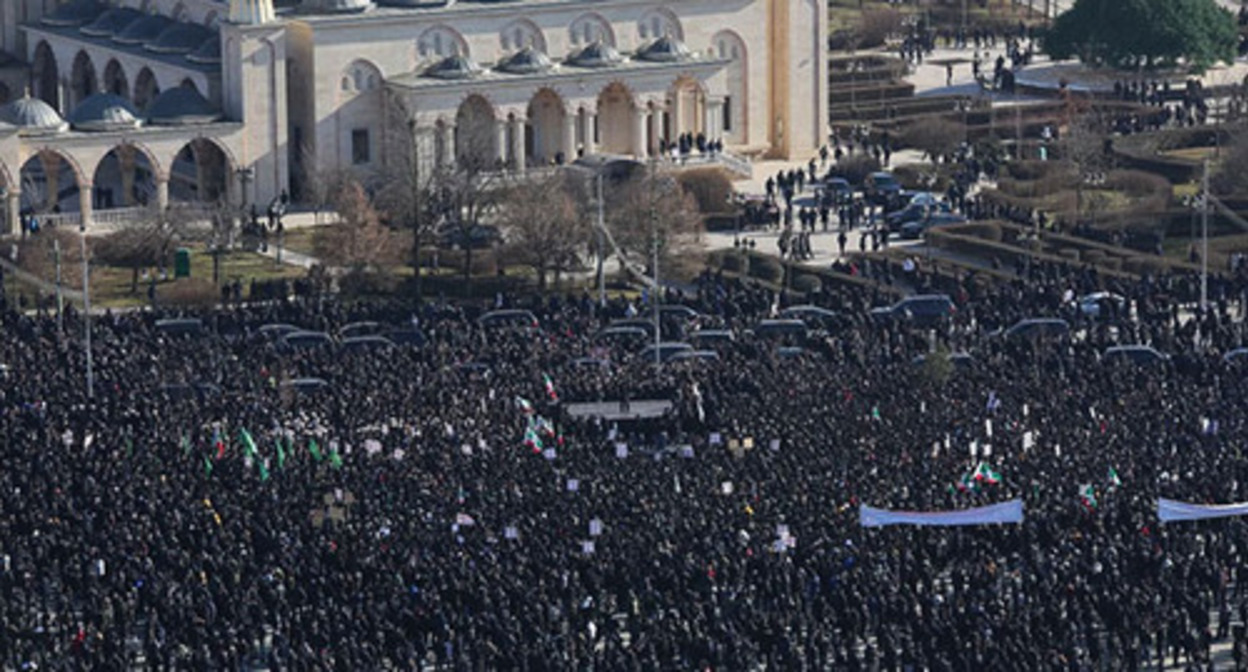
1168	510
996	514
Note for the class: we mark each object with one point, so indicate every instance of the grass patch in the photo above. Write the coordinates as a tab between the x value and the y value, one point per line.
1191	153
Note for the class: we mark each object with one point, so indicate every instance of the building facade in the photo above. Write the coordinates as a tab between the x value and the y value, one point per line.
129	102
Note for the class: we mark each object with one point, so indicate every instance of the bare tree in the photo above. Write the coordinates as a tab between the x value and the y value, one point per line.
650	206
545	229
358	241
146	241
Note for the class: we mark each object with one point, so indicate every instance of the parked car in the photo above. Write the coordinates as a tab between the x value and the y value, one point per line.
1098	305
919	207
306	340
703	339
914	229
518	319
666	350
694	355
1140	355
1238	356
1039	327
190	327
923	310
365	344
839	191
786	331
815	317
881	188
360	329
477	237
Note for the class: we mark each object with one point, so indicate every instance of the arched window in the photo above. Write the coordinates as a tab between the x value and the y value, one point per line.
520	34
657	22
440	42
360	76
589	28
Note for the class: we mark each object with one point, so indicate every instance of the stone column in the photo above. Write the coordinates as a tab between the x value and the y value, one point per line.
677	114
52	172
13	211
501	127
714	119
589	123
162	192
641	118
125	157
517	144
447	159
84	203
656	129
569	137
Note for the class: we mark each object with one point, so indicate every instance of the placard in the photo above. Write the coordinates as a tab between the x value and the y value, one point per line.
549	453
595	527
510	532
715	439
587	547
725	488
574	485
621	450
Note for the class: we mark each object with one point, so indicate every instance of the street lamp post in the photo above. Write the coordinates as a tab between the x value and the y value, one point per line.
245	176
86	306
602	247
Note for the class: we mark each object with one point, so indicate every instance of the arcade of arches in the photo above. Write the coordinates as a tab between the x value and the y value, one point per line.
57	183
64	88
549	130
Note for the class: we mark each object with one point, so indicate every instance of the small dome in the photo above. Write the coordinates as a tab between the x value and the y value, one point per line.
453	67
208	53
32	116
103	112
336	6
111	22
527	61
596	54
180	38
73	14
142	30
666	49
181	106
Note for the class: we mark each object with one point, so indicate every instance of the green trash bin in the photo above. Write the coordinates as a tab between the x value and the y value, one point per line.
182	263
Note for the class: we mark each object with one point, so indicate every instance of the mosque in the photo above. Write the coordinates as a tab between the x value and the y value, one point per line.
106	107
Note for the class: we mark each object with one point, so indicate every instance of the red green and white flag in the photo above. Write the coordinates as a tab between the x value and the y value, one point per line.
985	474
1114	481
550	388
1087	496
967	483
532	439
525	406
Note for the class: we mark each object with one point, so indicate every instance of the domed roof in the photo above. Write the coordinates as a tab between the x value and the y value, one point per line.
73	14
142	30
103	112
336	6
180	38
453	67
527	61
32	116
181	106
110	22
666	49
208	53
596	54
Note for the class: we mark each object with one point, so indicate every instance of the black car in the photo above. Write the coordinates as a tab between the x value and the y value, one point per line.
881	188
914	229
1138	355
1037	328
923	310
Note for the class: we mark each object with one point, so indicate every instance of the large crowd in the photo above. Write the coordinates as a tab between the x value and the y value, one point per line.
401	516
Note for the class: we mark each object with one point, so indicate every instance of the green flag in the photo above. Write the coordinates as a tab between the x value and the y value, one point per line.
315	450
281	455
186	446
207	466
264	471
335	459
249	444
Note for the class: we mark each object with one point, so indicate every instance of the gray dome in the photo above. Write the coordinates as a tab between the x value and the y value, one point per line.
180	38
453	67
208	53
336	6
32	116
111	22
142	30
527	61
596	54
103	112
666	49
73	14
181	106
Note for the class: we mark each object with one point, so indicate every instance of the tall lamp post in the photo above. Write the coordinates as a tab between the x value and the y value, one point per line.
86	306
245	176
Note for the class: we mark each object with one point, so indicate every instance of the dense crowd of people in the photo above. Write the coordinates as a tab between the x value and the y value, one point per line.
401	515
